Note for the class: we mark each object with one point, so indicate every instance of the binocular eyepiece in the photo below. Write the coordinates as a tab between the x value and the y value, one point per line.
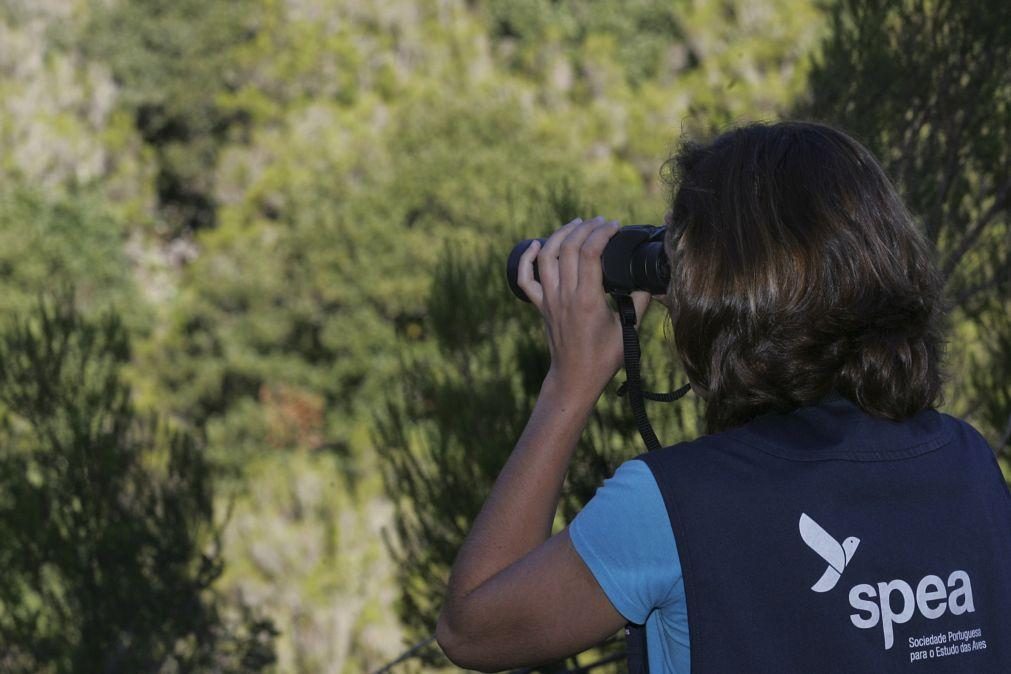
633	259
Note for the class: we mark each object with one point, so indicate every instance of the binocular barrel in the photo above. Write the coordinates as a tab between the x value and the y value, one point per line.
633	259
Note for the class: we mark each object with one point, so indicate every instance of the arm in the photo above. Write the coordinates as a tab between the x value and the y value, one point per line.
516	596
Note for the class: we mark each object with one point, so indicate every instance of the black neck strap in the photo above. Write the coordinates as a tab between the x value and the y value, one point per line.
633	381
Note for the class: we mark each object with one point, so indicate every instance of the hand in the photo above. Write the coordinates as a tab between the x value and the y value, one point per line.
584	333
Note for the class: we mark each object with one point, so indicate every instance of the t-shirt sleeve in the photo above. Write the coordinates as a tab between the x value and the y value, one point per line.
624	537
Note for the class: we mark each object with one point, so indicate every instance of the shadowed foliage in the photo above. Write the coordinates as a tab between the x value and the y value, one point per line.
107	539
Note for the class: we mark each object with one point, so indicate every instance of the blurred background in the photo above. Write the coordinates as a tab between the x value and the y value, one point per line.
259	365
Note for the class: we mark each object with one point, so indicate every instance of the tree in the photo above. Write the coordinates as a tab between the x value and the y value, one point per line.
926	84
107	538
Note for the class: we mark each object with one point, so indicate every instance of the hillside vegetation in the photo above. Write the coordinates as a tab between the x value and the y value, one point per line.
296	214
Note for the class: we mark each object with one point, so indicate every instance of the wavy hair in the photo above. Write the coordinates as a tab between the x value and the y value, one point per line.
796	270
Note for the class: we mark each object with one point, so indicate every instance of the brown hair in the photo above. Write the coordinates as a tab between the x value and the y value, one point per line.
796	270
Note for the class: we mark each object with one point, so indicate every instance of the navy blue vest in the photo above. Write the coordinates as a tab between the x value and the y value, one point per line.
830	540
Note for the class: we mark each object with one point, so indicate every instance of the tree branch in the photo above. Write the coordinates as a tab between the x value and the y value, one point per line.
966	294
1000	203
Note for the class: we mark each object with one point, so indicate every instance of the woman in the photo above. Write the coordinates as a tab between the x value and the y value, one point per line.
831	519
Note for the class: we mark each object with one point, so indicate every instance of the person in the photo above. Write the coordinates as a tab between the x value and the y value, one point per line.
830	519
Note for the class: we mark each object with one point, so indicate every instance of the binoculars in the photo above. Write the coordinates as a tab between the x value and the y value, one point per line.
633	259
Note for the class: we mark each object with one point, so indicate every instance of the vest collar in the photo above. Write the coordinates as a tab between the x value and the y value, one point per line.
835	427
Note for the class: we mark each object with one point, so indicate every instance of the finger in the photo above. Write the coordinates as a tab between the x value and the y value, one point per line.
525	278
591	275
569	255
547	259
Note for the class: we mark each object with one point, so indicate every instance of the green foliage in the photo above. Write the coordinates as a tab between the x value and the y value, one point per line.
307	549
48	241
60	128
643	31
174	61
315	281
106	533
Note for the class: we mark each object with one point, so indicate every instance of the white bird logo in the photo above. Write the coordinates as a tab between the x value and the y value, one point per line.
837	556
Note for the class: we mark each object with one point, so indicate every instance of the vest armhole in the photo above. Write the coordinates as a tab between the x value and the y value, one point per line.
687	567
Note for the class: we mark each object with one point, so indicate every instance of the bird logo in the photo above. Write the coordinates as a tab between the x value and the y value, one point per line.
837	555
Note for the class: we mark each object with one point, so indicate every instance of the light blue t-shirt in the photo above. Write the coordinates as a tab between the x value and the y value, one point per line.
624	537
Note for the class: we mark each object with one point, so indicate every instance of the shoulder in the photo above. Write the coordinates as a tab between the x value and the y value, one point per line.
700	456
624	536
974	450
965	431
632	493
